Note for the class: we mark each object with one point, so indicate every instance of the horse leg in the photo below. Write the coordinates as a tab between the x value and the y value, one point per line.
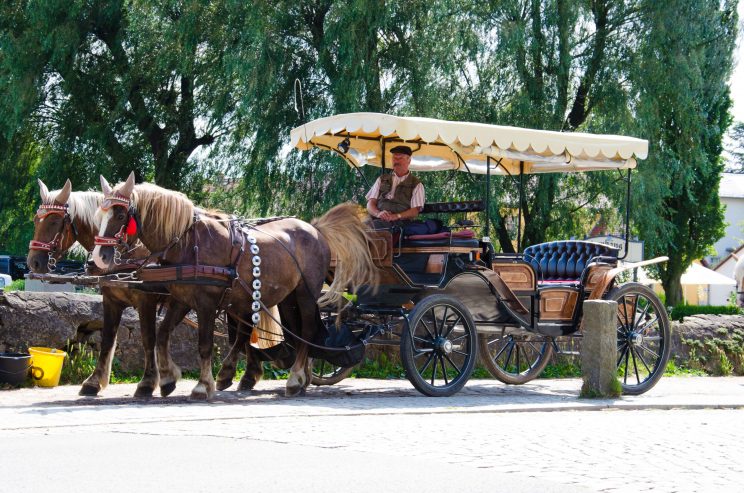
301	372
147	308
170	373
99	379
230	363
253	369
298	376
205	388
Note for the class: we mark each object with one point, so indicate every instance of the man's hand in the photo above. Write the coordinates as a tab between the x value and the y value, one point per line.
388	216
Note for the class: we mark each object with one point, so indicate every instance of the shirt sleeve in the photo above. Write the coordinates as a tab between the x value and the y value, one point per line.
374	191
418	199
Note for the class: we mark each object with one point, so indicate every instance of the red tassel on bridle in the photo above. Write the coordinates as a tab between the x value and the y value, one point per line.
131	226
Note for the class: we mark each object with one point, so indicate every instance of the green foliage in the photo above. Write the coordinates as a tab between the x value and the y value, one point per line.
79	364
679	312
672	370
17	285
681	81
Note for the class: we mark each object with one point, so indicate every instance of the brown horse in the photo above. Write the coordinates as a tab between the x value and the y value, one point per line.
283	262
67	217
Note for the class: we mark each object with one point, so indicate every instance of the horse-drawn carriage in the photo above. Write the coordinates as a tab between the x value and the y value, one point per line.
448	296
443	298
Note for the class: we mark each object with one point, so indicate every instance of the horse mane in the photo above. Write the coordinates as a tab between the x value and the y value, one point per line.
739	270
172	211
83	206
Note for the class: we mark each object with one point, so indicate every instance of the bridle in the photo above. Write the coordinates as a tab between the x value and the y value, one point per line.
51	247
120	241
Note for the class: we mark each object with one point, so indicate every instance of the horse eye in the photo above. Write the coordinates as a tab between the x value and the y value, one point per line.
120	216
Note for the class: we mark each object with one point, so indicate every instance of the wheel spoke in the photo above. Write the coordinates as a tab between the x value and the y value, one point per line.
456	368
640	357
426	365
622	354
464	336
517	346
649	325
444	370
433	369
509	355
501	351
625	378
459	352
645	311
635	310
452	327
635	365
648	350
426	325
421	339
440	330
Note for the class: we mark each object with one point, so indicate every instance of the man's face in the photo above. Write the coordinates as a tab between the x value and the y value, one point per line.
401	162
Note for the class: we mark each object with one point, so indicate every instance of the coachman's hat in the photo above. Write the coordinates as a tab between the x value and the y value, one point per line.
401	150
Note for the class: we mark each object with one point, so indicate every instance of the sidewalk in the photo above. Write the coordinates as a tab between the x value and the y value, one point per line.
61	406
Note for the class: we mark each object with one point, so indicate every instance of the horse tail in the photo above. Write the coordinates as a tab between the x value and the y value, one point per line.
348	241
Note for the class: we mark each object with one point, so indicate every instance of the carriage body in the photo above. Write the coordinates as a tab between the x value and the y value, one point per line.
518	303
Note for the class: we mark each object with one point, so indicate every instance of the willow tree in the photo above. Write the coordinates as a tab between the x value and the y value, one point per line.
112	86
683	105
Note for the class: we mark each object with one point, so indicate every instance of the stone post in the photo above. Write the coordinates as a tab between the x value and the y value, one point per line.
599	350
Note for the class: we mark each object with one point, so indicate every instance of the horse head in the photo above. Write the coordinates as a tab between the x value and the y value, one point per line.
54	231
117	228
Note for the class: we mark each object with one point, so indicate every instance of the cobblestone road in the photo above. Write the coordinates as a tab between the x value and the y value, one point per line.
686	436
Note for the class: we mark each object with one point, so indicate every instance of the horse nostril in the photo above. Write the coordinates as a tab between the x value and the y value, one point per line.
36	264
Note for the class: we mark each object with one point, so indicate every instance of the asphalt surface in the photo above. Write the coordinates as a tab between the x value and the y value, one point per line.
376	435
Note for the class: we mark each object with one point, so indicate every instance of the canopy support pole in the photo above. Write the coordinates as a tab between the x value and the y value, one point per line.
521	199
487	230
627	219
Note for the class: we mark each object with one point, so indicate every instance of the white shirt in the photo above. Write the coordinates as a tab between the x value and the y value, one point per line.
418	199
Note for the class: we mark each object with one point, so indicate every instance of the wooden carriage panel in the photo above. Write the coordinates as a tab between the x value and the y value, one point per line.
595	275
558	303
518	276
435	263
380	248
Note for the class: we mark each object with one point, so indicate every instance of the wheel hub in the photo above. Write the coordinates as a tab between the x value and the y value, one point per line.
443	345
635	338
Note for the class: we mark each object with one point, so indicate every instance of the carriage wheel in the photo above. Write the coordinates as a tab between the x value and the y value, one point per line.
438	349
515	358
324	373
643	337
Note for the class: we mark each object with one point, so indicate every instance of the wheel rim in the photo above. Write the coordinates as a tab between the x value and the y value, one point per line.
323	369
441	346
516	355
640	340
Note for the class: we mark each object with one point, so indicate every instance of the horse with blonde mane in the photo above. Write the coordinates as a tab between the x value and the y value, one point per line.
66	219
283	262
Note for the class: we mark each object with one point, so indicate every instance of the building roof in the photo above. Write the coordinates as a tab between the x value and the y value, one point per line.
732	185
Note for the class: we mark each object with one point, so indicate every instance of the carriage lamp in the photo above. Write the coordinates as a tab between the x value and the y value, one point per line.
344	145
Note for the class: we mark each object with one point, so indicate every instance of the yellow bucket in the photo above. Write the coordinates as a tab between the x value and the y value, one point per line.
46	365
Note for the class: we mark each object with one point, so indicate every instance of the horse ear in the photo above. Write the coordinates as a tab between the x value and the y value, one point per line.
43	191
126	189
735	255
105	187
64	194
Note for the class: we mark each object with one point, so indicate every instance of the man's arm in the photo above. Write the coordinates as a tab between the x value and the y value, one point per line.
375	212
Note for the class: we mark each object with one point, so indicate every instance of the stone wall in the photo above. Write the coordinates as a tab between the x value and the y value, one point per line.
58	319
714	343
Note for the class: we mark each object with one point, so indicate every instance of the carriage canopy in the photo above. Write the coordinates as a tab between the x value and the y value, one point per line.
445	145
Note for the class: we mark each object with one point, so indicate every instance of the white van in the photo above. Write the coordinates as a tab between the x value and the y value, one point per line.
5	281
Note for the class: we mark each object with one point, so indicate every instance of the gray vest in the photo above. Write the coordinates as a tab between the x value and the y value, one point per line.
401	200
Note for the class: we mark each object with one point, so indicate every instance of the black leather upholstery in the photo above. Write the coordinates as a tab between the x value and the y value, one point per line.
462	206
565	260
455	242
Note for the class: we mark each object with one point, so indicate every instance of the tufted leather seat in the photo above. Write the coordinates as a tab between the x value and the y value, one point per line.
565	260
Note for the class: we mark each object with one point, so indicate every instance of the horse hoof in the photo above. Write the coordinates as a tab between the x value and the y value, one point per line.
144	393
198	396
246	385
89	390
224	384
294	391
167	389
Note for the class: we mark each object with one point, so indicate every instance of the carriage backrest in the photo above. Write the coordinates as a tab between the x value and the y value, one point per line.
565	260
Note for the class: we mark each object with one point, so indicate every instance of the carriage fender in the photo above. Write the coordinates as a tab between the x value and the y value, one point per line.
609	276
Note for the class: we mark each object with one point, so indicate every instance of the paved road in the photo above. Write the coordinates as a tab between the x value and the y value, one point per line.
371	435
